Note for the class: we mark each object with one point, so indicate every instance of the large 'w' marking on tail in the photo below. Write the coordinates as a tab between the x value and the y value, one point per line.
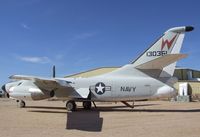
168	43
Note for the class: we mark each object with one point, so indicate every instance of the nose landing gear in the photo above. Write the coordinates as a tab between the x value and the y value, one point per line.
22	103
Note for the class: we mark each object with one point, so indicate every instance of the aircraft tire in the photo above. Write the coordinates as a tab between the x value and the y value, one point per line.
71	105
87	105
22	104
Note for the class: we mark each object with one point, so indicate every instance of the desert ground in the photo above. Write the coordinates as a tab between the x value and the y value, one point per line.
147	119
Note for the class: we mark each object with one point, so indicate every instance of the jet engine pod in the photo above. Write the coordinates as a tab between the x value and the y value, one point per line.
29	93
42	95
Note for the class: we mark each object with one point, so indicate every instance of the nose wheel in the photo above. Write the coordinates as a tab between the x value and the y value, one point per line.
22	104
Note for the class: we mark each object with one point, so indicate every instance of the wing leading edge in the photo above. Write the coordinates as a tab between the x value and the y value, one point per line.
45	83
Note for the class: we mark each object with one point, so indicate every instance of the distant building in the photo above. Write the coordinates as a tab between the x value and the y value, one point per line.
192	78
187	74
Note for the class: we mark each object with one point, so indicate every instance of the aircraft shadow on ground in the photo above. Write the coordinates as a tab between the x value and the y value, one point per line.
85	121
79	120
46	107
91	121
119	108
168	110
46	111
110	109
106	107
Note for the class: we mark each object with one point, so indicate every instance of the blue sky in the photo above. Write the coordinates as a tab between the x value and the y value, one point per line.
77	35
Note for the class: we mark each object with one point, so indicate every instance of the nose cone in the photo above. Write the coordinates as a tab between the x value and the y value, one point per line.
4	89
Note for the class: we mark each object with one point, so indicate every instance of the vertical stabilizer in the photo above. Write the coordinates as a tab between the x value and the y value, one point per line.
160	59
169	43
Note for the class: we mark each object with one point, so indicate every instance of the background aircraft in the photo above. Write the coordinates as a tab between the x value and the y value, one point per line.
149	76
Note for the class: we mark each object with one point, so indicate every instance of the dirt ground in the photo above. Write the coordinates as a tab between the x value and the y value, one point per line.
147	119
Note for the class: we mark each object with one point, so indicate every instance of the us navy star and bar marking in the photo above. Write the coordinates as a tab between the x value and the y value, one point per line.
100	88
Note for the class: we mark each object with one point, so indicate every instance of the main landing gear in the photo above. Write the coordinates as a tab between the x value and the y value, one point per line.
71	105
87	105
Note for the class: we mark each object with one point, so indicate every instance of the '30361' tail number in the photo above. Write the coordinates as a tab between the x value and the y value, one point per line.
156	53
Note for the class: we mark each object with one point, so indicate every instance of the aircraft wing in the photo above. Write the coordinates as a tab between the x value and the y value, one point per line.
44	83
161	62
53	84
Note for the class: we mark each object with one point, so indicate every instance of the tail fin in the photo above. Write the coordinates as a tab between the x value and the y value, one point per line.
160	59
169	43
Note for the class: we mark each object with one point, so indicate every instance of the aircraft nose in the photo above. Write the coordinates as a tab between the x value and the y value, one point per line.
4	88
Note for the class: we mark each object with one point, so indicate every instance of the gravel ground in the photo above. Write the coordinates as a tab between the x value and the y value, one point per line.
147	119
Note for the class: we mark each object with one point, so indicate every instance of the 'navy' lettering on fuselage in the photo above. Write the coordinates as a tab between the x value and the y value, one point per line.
156	53
128	89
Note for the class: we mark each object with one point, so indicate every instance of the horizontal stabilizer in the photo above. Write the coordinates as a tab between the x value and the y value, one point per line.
161	62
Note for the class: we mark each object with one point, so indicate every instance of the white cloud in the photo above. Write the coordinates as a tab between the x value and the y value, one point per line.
25	26
42	60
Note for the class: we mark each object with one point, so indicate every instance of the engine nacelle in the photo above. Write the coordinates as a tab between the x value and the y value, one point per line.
30	94
42	95
28	91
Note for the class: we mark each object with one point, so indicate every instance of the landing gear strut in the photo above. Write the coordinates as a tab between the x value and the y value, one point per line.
71	105
87	105
127	104
22	104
